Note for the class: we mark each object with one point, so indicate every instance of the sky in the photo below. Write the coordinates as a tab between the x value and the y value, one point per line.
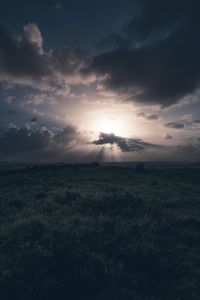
99	80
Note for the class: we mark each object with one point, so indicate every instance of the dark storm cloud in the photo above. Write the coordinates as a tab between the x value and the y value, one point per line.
156	58
67	135
22	56
175	125
17	140
68	60
23	60
125	144
26	140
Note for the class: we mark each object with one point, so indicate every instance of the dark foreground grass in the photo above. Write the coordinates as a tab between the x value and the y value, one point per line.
100	233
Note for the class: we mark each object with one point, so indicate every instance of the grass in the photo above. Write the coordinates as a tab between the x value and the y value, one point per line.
103	233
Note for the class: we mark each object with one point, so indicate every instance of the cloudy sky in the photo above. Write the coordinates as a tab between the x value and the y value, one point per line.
99	80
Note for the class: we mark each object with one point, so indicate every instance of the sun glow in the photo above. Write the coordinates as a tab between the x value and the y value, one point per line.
110	125
111	120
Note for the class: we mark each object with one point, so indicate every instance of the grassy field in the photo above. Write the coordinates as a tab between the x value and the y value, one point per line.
81	232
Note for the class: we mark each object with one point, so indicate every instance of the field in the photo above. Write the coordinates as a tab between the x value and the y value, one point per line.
88	232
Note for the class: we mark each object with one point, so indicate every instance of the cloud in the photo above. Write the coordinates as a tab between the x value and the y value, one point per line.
17	140
175	125
168	137
156	57
185	122
125	144
196	121
149	117
153	60
40	98
68	135
188	148
23	61
38	141
186	117
71	144
37	112
33	119
8	99
22	56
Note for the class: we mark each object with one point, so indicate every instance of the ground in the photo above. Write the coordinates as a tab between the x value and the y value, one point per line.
82	232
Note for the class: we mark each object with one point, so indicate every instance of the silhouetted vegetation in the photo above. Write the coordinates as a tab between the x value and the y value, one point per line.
99	233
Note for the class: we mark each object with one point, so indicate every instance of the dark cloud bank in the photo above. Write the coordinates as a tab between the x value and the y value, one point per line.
156	58
24	62
40	142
